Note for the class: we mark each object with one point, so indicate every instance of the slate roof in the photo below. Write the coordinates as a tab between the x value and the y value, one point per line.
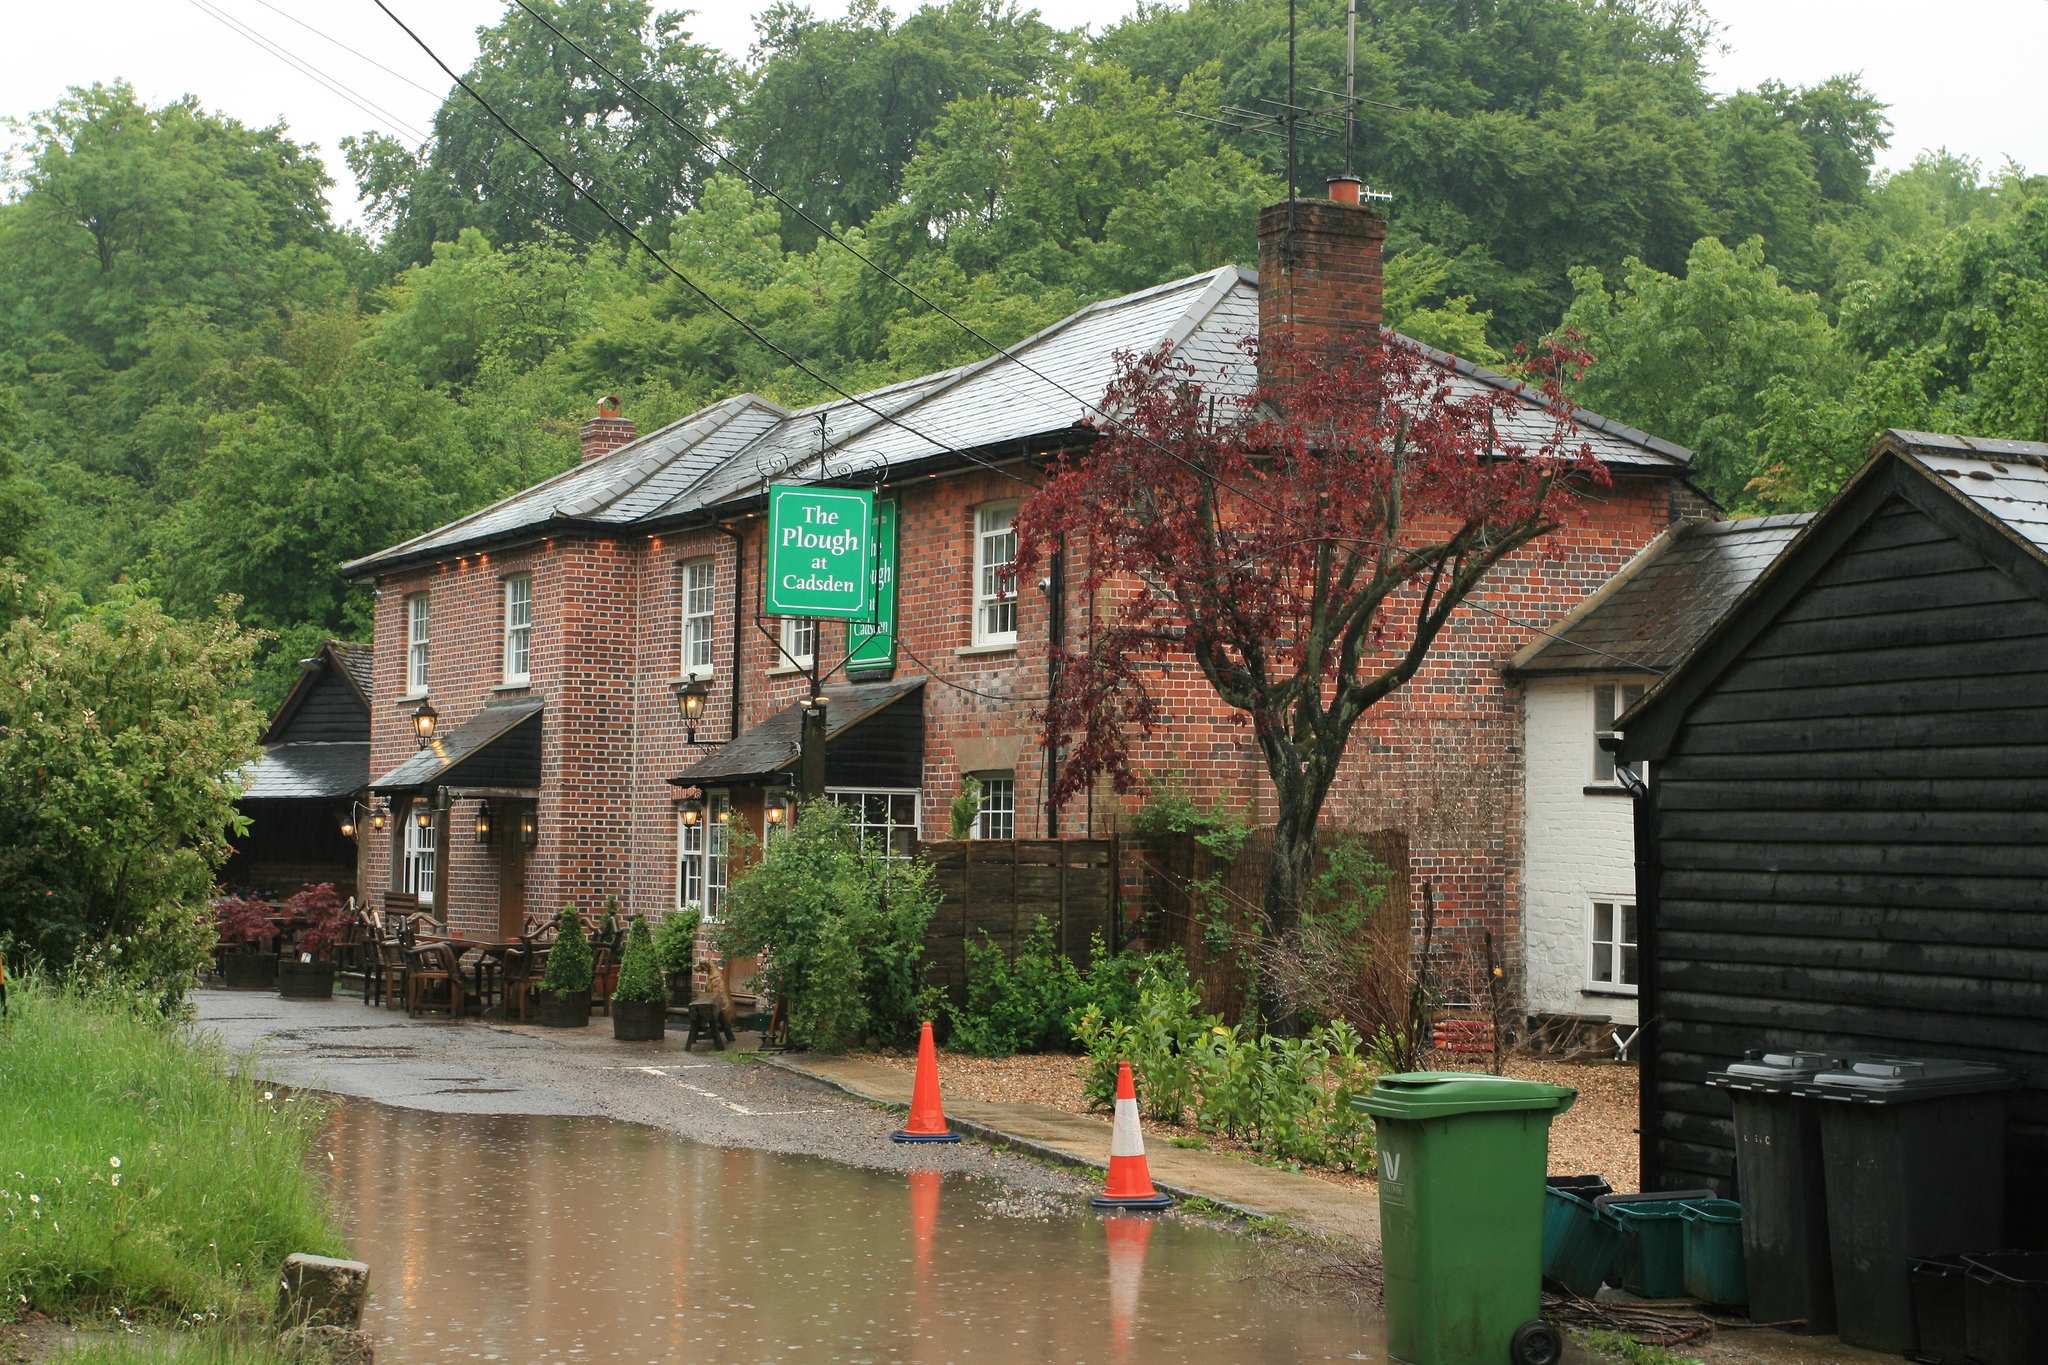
1650	615
725	452
437	763
771	746
303	771
2007	479
356	661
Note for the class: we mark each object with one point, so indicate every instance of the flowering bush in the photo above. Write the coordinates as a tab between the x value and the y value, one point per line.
238	919
325	913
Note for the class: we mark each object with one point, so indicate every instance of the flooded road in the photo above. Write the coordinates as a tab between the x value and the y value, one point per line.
553	1239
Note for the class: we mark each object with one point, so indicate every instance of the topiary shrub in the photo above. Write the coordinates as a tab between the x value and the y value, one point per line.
570	963
675	942
639	968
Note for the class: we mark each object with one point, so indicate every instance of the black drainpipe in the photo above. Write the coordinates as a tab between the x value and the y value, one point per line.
739	615
1056	635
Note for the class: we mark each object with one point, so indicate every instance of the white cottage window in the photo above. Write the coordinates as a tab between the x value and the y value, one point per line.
1611	935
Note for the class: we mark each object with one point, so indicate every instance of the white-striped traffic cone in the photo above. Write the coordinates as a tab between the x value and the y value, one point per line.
1130	1184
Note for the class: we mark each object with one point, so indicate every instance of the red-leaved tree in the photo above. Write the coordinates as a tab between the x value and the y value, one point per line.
1303	543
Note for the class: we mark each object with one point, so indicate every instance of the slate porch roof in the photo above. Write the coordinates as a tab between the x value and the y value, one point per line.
1647	617
2008	480
308	771
723	453
441	763
771	747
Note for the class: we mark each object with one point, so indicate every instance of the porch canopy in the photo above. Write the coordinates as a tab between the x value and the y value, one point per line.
874	739
498	748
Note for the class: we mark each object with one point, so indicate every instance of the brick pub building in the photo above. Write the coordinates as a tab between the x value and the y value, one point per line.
551	632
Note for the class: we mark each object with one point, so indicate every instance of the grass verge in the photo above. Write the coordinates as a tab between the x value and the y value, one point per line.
139	1178
1620	1346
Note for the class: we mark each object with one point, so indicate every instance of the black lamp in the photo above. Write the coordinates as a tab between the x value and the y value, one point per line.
529	828
690	810
690	699
775	807
378	819
424	717
348	822
483	822
423	816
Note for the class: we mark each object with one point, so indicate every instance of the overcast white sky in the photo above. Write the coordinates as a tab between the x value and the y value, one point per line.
1967	80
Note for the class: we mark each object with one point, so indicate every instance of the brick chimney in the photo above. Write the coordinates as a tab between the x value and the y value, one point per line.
608	431
1319	271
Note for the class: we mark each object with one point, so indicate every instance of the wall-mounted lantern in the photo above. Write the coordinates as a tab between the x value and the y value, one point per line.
423	815
379	819
691	697
424	718
775	807
483	822
529	827
690	810
348	822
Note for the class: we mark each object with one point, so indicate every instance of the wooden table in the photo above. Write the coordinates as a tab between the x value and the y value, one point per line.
486	950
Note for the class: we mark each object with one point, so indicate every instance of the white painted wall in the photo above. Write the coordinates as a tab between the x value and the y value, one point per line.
1577	848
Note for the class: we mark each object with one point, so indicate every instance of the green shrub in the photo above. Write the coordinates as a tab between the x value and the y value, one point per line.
571	965
139	1173
639	971
1288	1097
839	926
966	808
675	942
1030	1003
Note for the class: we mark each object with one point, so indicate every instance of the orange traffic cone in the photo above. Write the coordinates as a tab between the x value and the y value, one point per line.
927	1115
1130	1183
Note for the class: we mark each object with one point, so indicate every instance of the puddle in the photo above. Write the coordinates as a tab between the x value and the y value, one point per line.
559	1239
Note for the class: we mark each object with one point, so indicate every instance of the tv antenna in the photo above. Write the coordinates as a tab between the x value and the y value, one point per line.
1288	119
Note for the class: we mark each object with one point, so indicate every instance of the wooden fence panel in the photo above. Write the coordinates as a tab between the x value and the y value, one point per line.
1000	888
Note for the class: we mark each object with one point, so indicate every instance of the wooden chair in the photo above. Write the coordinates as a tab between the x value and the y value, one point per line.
604	978
431	968
394	969
523	969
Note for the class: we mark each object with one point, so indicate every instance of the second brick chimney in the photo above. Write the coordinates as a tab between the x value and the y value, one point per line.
1319	272
607	431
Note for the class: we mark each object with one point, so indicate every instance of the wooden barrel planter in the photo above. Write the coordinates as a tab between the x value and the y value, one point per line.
569	1009
248	971
639	1021
305	980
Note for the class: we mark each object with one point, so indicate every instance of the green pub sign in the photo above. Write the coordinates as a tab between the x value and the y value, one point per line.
818	559
871	642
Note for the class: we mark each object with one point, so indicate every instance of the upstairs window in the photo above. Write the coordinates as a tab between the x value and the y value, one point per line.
799	641
995	586
519	628
1612	947
417	623
998	818
697	606
1611	700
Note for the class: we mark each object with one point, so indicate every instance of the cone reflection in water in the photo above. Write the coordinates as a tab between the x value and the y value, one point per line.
927	1115
924	1216
1128	1236
1129	1185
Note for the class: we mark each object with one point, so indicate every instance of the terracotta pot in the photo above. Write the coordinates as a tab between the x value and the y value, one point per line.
639	1021
248	971
305	980
570	1009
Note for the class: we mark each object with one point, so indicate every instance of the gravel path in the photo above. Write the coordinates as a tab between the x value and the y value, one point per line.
720	1099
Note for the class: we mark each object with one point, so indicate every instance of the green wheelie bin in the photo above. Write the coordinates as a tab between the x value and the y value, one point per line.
1462	1158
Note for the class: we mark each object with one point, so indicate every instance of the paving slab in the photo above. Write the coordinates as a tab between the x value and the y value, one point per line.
1316	1206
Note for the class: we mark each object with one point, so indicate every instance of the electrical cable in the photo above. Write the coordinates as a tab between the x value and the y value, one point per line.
629	232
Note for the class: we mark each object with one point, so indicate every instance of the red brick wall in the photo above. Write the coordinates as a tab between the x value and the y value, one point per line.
607	647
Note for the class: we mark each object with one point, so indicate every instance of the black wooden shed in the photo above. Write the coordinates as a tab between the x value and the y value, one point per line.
1844	843
316	761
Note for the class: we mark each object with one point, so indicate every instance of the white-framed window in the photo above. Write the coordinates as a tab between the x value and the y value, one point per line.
519	628
888	816
1611	699
1611	945
697	618
700	857
799	641
419	854
995	586
418	627
998	818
